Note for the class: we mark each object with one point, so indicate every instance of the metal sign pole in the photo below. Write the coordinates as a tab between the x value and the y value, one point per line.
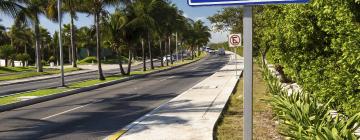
60	46
236	69
248	70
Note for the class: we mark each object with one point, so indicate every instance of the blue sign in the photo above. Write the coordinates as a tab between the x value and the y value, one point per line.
241	2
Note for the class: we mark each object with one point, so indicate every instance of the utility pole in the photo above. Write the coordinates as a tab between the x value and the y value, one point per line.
60	46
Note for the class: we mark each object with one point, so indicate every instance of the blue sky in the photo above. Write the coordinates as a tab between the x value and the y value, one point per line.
196	13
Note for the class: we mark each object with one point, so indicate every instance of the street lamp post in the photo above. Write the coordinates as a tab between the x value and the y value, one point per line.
60	46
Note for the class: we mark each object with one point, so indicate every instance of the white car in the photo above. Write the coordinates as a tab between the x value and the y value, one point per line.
169	58
211	51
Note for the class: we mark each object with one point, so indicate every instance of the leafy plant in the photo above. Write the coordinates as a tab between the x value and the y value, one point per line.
303	116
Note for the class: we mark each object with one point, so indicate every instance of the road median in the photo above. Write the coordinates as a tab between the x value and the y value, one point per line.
37	96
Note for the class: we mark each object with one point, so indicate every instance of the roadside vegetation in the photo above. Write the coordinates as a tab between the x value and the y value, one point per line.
230	126
136	30
315	45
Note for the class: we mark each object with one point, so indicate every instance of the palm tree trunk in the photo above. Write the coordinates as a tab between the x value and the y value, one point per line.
182	52
6	62
70	54
37	47
129	63
143	54
98	47
166	53
161	54
198	49
120	62
192	52
170	51
150	53
72	40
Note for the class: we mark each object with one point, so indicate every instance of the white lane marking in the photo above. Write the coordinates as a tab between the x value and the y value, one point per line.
65	112
167	78
195	68
76	108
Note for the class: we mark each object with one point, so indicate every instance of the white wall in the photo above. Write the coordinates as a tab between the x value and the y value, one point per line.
17	63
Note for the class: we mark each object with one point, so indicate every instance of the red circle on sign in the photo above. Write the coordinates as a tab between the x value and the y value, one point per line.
235	40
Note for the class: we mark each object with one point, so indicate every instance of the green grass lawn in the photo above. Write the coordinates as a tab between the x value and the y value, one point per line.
87	83
7	70
34	73
230	126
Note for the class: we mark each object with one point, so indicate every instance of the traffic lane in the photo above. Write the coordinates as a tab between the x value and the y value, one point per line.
151	93
52	83
97	118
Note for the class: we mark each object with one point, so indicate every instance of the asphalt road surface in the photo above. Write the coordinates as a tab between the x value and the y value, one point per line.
99	113
55	82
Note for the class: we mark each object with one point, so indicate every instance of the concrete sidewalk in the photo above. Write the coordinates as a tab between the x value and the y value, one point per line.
191	115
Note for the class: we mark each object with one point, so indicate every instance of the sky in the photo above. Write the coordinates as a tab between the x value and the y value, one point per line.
195	13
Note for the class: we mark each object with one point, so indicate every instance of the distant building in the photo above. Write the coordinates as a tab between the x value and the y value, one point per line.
17	63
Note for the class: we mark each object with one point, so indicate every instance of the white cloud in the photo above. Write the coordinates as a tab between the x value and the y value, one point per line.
203	19
218	37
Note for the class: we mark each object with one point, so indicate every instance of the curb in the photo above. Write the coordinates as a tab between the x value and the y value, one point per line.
76	91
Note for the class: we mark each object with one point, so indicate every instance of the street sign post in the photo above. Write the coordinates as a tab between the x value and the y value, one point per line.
234	42
248	60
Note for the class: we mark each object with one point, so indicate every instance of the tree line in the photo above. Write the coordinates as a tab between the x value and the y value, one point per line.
317	46
137	28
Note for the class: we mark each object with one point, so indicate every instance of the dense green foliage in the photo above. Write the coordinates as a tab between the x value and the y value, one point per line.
318	46
303	116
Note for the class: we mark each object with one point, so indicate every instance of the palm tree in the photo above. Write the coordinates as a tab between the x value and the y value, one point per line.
19	36
86	39
10	7
31	13
72	7
97	8
160	13
116	26
202	33
67	41
143	20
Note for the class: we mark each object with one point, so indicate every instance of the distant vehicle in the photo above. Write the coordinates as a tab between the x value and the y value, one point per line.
169	58
207	49
211	51
221	51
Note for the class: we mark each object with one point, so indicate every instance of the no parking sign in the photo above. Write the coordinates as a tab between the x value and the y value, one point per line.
234	40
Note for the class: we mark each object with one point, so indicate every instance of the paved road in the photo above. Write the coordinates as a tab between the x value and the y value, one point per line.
98	113
52	83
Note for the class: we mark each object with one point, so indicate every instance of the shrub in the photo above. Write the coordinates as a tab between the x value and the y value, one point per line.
88	60
303	116
52	59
